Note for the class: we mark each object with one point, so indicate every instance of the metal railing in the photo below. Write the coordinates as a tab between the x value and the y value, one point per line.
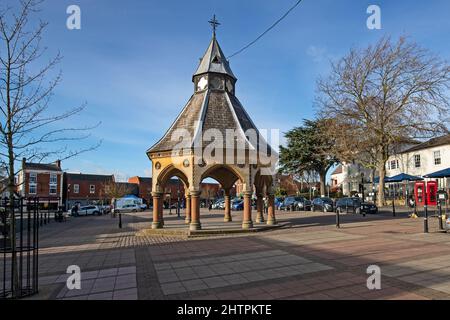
19	247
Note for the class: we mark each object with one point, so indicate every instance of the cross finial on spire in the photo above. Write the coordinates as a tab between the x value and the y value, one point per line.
214	23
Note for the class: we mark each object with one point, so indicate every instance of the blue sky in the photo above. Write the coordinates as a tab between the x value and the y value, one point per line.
132	61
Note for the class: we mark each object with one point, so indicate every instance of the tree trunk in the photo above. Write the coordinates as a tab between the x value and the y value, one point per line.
322	176
380	194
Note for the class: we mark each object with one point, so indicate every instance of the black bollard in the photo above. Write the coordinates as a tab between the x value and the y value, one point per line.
425	219
393	208
120	221
338	225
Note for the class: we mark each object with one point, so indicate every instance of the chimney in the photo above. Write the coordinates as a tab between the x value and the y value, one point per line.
24	160
58	163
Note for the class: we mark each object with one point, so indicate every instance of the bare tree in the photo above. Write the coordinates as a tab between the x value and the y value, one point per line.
381	96
28	127
115	190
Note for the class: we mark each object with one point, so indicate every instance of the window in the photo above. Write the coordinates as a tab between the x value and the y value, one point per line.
92	188
394	164
437	157
417	160
53	189
76	188
53	183
33	177
53	178
32	189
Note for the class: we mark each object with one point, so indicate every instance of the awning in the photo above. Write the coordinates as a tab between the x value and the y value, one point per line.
404	177
439	174
377	179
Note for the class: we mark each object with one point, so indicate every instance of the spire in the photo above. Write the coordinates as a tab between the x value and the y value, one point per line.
214	60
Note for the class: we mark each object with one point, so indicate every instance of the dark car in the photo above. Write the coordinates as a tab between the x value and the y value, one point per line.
322	204
295	204
355	205
237	205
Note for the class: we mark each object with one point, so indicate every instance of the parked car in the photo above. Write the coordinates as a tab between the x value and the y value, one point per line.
295	204
127	208
105	209
86	210
355	205
143	207
303	204
219	204
278	202
237	205
322	204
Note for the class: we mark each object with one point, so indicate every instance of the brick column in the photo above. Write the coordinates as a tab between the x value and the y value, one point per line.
195	211
156	224
247	218
227	199
187	220
259	208
271	210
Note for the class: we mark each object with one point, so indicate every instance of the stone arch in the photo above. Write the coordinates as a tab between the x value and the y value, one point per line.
169	172
226	175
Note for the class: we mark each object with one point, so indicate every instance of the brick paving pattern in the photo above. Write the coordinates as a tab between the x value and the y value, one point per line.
311	259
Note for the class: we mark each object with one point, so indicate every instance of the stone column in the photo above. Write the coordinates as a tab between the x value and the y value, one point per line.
259	208
187	220
247	218
195	211
161	210
227	199
271	220
156	224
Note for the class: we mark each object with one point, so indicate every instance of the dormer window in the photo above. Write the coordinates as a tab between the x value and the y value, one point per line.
216	60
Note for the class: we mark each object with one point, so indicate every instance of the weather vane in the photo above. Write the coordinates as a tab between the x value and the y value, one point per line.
214	24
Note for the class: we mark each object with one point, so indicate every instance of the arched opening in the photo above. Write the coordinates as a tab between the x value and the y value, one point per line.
265	200
222	187
172	195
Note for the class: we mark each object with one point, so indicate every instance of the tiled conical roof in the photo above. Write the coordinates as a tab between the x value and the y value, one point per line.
211	108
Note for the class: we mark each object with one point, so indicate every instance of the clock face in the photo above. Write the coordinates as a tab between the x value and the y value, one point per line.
202	84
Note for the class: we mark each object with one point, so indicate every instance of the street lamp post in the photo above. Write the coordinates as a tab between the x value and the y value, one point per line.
362	186
178	199
393	202
425	209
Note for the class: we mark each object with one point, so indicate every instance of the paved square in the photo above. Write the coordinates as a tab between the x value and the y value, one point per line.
311	259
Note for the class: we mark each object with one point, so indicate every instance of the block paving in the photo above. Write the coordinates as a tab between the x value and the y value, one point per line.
309	259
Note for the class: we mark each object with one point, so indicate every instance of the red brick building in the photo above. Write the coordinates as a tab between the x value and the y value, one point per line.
85	189
42	181
144	187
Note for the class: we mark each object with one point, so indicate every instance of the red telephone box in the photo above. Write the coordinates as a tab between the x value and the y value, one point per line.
432	187
422	188
419	192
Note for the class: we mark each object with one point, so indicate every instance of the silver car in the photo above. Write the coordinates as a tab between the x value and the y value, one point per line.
86	210
127	208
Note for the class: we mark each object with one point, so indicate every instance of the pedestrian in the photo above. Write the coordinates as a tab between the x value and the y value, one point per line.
75	210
